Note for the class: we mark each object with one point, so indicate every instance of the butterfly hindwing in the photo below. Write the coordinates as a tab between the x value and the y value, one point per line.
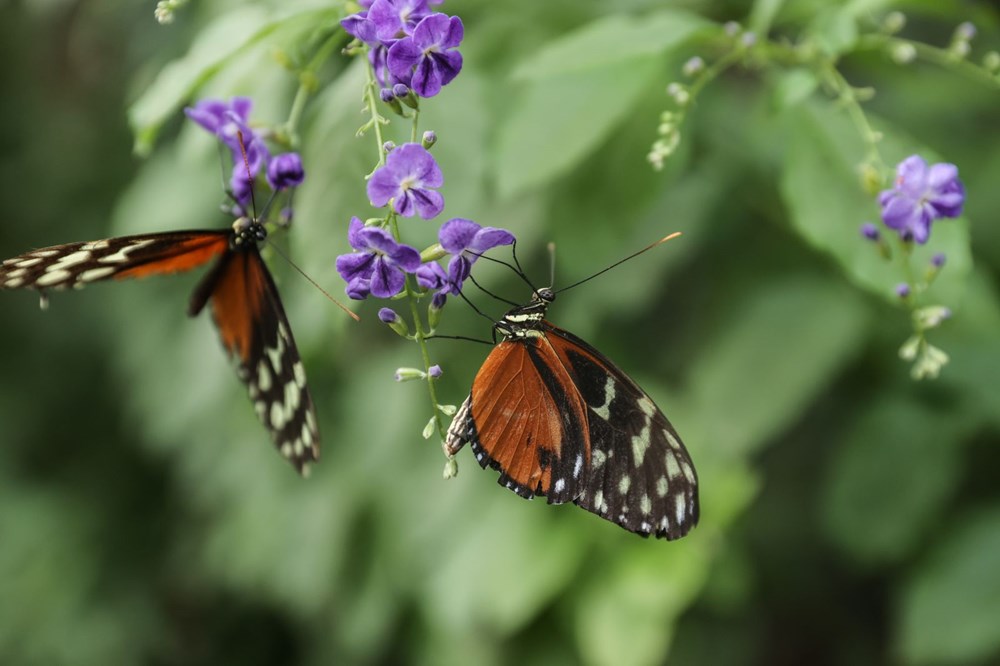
640	475
255	333
74	265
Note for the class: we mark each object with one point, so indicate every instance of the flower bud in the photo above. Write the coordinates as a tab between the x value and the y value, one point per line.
893	22
903	290
903	53
870	231
406	96
937	261
434	310
389	317
390	98
693	66
434	371
429	139
965	31
409	374
450	468
732	28
284	171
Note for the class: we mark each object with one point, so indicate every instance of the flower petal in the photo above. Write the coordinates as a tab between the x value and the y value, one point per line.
431	276
387	281
402	56
405	257
490	237
456	234
354	233
357	265
383	185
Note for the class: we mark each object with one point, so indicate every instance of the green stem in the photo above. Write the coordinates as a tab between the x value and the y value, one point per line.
371	104
933	54
845	94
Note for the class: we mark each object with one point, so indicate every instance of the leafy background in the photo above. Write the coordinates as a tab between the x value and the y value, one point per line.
849	514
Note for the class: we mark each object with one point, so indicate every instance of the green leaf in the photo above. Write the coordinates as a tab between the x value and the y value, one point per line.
889	481
827	205
217	44
793	87
835	30
557	122
627	614
613	40
790	337
949	609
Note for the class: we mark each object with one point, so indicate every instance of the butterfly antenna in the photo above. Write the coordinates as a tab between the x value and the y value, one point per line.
516	268
458	337
622	261
490	293
552	263
475	309
323	291
246	165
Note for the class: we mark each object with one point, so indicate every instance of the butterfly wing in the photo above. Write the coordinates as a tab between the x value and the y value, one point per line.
525	418
557	418
640	474
257	337
77	264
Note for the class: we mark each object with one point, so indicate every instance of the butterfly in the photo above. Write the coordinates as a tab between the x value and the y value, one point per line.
245	306
558	419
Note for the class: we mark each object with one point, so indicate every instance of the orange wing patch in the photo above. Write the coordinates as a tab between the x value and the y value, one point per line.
184	256
520	422
237	300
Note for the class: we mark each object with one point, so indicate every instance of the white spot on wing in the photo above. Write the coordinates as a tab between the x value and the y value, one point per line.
604	410
680	508
623	484
92	274
578	466
53	277
72	259
121	255
673	469
277	416
597	458
300	374
13	283
645	505
661	486
28	263
263	376
559	486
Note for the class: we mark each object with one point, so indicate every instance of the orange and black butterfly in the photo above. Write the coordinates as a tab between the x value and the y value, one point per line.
245	305
558	419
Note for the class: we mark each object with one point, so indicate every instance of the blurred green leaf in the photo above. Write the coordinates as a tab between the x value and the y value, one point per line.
217	44
559	121
834	29
822	189
765	365
611	40
578	89
889	481
793	87
949	608
627	613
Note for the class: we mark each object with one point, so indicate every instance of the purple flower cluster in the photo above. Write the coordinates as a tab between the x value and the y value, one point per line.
921	195
409	44
229	121
380	264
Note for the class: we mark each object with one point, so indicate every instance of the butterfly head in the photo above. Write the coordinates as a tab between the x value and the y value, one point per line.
525	321
247	231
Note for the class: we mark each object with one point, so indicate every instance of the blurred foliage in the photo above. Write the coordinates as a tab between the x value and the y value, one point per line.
849	515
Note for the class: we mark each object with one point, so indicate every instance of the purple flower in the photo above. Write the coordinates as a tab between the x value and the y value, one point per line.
228	121
465	241
434	371
427	54
285	171
921	195
397	18
406	179
903	290
937	261
360	26
378	55
432	276
379	266
388	316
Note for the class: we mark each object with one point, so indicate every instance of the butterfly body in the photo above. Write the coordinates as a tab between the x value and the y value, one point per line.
244	301
558	419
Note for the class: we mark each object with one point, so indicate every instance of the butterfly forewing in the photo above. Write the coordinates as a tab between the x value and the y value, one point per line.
245	306
76	264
